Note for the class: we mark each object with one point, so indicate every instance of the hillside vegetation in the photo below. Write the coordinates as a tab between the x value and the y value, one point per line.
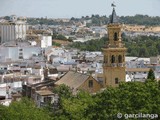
141	46
100	20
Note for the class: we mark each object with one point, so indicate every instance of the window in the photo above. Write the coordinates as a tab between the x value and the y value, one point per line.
20	49
120	59
113	59
90	84
20	57
20	54
105	59
38	97
116	81
47	99
115	37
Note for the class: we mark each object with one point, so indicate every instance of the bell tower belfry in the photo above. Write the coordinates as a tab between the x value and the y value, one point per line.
114	54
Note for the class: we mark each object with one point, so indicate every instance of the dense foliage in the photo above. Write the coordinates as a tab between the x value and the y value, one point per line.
151	75
23	110
141	20
131	98
128	98
99	20
56	44
92	45
41	21
61	37
137	19
141	46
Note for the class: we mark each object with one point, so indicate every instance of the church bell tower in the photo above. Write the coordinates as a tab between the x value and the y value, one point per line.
114	54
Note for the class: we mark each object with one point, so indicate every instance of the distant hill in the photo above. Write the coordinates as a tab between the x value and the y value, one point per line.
137	19
97	20
141	20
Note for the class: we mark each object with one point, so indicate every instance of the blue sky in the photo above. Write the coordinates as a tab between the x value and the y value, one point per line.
77	8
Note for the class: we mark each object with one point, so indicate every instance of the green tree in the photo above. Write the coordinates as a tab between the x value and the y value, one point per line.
151	75
128	98
56	44
72	107
23	110
54	36
139	46
61	37
63	91
7	18
76	107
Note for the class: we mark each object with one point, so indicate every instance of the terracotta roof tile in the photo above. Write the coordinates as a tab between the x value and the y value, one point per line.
73	79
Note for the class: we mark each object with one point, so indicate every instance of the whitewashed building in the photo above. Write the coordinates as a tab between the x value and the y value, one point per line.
46	41
18	51
155	60
12	30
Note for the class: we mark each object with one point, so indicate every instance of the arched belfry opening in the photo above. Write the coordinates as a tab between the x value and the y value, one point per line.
115	36
113	59
119	59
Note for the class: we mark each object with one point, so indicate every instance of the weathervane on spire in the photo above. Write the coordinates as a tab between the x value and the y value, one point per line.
113	4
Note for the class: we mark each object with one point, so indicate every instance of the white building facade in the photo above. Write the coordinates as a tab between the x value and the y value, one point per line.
46	41
12	30
15	53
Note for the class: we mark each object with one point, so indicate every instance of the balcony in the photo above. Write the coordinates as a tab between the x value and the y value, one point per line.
116	44
114	65
121	65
